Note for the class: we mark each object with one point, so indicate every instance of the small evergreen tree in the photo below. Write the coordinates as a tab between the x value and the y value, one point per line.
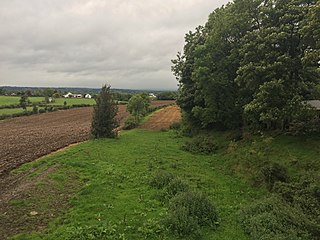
104	115
24	102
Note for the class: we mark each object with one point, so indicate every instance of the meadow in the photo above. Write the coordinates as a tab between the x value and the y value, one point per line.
111	177
8	100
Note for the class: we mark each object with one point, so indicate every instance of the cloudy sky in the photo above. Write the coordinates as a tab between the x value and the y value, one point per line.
85	43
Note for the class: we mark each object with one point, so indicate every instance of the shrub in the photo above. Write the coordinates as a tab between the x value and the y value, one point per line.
201	144
42	110
273	173
175	126
161	179
104	115
291	212
130	123
35	109
188	211
174	187
272	218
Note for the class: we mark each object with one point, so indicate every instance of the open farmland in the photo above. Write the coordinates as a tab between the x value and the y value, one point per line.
8	100
163	118
27	138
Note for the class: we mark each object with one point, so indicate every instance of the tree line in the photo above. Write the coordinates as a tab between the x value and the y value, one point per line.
254	63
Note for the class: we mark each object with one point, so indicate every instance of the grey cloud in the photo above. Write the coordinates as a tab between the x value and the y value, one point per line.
127	43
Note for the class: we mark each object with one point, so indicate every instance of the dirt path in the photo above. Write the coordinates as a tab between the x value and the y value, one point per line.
163	118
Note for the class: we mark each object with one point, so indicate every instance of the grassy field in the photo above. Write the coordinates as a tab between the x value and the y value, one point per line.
8	111
72	101
8	100
113	196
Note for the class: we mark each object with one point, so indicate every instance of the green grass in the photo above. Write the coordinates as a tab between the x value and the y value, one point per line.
72	101
9	111
8	100
115	173
116	190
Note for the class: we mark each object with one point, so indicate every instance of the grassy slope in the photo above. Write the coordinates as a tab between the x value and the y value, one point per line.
115	175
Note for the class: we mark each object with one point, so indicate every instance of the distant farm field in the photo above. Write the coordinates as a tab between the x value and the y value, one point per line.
8	100
9	111
72	101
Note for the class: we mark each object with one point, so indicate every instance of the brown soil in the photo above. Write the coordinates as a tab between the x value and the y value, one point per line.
162	102
163	118
25	139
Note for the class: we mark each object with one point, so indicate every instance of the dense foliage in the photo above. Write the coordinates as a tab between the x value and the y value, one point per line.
138	105
254	63
104	115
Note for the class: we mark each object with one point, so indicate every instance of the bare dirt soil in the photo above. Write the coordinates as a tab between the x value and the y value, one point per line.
163	118
25	139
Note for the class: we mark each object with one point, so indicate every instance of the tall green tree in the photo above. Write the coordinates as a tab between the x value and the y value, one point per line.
104	119
138	105
183	67
272	62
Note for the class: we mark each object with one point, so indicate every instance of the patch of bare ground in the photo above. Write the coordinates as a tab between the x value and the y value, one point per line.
29	200
163	118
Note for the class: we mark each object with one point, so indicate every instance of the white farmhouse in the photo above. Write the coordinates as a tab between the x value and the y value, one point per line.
68	95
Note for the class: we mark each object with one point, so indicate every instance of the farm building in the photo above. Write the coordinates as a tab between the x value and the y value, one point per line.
71	95
152	95
68	95
314	103
87	96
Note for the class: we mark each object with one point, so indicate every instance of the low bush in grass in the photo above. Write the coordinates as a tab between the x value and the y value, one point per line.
168	184
201	145
161	179
292	212
175	126
274	172
131	122
188	212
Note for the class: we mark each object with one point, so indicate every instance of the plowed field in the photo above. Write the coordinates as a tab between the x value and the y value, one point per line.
24	139
163	118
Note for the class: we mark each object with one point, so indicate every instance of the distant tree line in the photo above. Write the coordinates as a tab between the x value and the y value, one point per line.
254	63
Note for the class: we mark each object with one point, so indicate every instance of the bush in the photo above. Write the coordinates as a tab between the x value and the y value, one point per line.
130	123
175	126
201	144
188	211
42	110
273	173
292	212
35	109
161	179
174	187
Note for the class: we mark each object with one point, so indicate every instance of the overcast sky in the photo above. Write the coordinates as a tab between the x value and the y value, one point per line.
86	43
